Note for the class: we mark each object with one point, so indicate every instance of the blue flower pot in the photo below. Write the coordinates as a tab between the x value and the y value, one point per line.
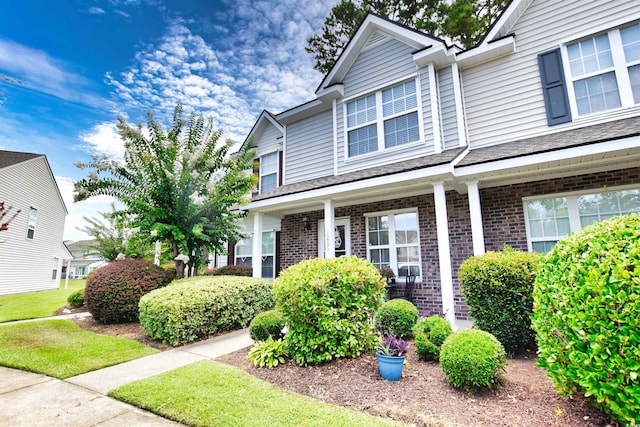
390	366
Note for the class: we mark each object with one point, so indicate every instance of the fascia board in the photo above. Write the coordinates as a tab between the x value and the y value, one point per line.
487	52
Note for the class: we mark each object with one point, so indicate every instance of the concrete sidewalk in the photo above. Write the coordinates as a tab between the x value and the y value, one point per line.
28	399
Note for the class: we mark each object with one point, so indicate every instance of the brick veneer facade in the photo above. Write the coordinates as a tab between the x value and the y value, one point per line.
503	223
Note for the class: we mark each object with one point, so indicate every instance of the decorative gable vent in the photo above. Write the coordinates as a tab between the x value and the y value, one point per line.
375	39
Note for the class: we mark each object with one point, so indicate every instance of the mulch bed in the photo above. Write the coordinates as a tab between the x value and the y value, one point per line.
422	397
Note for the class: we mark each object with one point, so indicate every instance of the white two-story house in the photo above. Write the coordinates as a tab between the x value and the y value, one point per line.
416	155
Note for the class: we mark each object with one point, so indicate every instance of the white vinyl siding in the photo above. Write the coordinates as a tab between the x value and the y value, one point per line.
503	98
26	265
551	218
309	151
448	115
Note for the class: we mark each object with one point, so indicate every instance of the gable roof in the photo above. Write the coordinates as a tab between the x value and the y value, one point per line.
265	118
10	158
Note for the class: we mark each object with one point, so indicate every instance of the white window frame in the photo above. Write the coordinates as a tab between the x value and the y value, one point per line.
248	242
276	173
380	118
31	225
265	254
620	69
393	246
572	207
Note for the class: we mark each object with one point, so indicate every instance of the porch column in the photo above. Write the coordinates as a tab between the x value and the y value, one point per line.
66	280
475	211
444	253
329	230
256	253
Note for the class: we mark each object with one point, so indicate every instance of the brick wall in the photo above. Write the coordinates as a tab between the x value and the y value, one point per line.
503	222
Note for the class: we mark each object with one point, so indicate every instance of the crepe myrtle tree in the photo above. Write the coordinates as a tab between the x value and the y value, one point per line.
6	216
179	184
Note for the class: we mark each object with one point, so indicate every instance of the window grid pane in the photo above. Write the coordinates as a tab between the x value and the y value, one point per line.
589	56
268	182
401	130
361	111
597	93
269	164
363	140
631	42
548	218
634	76
399	99
598	207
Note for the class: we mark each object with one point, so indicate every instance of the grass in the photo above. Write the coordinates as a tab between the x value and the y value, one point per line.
34	305
212	394
61	349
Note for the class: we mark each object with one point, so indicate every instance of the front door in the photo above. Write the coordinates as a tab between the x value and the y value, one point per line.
342	239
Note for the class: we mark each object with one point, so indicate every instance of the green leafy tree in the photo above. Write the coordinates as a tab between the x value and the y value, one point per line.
463	22
179	183
114	235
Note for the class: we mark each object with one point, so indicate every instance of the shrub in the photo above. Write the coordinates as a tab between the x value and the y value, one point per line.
498	288
230	270
327	304
430	333
200	306
397	317
170	268
268	354
267	324
112	292
76	298
473	360
586	311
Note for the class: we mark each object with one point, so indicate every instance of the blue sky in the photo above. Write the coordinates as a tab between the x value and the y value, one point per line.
68	68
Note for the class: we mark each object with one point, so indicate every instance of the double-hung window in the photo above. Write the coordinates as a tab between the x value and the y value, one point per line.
31	226
605	70
552	218
243	252
393	241
268	172
385	119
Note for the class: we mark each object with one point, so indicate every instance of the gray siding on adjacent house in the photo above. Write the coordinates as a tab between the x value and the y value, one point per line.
309	152
27	264
448	108
269	141
504	99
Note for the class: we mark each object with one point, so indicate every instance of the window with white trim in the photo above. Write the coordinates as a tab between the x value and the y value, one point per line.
268	172
393	241
550	219
243	253
605	70
385	119
31	226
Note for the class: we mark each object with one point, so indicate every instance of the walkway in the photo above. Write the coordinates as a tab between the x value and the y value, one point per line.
29	399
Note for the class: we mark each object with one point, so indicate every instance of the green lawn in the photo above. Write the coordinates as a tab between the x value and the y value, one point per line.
211	394
61	349
33	305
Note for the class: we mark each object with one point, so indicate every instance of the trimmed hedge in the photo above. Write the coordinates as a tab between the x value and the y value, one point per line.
587	315
498	287
397	317
196	307
230	270
473	360
267	324
327	304
430	333
112	292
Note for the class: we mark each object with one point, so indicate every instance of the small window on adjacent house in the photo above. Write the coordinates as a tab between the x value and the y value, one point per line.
268	172
31	227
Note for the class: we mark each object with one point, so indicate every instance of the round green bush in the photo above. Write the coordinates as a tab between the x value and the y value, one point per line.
430	333
498	287
267	324
397	317
76	298
587	315
473	360
327	304
112	292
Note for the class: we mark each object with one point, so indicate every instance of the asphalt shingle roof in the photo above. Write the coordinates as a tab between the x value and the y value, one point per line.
9	158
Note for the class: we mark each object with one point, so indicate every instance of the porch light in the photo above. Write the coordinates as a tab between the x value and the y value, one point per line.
306	223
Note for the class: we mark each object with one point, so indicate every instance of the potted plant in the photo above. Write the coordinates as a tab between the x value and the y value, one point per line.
388	274
391	354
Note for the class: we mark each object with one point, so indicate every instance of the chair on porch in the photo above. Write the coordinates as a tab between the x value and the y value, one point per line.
408	288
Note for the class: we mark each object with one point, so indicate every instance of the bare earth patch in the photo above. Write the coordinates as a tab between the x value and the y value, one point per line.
422	396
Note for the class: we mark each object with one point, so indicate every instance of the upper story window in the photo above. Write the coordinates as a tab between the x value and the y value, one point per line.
552	218
605	70
382	120
268	172
31	226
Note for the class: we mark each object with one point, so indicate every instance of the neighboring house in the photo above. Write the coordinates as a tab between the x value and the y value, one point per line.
417	155
84	261
31	250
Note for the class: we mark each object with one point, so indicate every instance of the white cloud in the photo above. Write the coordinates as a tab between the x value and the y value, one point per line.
89	208
96	11
104	139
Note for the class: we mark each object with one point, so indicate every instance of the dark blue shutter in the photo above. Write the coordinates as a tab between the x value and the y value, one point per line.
554	87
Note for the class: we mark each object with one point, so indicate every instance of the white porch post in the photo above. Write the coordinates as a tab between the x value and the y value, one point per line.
66	280
329	230
444	253
256	253
475	211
